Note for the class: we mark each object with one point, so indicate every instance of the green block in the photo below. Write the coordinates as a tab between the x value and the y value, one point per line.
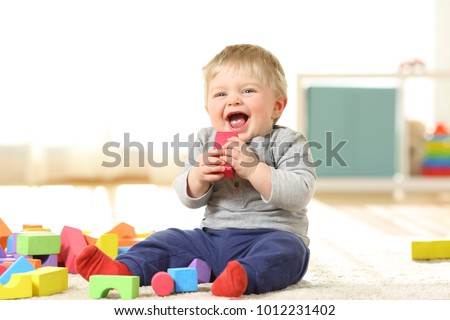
38	243
127	286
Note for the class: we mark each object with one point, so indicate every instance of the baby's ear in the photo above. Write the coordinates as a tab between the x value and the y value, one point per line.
278	107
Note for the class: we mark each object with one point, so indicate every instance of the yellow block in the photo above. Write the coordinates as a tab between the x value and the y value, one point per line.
37	229
19	286
426	250
49	280
109	244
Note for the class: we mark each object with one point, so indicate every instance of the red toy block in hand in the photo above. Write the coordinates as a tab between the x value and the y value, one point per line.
221	139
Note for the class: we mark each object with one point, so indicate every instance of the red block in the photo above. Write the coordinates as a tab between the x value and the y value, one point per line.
72	242
437	171
162	284
220	140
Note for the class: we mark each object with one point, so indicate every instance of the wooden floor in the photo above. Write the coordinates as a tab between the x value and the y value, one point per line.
416	215
384	198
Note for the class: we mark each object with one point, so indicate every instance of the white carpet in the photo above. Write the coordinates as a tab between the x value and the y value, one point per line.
359	251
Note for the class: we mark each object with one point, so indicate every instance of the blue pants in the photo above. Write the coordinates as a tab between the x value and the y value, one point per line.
273	259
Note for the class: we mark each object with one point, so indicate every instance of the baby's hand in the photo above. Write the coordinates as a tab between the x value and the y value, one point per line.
210	167
240	156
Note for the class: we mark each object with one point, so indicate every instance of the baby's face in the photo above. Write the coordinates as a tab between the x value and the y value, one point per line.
241	103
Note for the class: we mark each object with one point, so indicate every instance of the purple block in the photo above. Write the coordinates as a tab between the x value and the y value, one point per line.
2	253
48	260
13	242
203	270
17	256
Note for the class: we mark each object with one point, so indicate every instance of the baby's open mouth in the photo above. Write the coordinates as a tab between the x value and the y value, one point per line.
237	120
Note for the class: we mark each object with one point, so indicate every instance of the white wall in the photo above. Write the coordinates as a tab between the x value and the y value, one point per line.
84	72
443	59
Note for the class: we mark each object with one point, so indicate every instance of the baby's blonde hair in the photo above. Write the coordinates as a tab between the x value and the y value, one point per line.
255	60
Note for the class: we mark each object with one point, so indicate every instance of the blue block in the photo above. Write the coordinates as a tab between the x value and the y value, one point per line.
9	244
19	266
436	162
123	249
185	279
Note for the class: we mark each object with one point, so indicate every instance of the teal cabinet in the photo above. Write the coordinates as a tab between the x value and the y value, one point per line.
352	131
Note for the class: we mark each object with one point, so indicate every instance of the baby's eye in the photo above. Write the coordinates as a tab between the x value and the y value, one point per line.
247	91
220	94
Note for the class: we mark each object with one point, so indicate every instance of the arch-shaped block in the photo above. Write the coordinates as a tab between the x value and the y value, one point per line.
19	286
19	266
100	285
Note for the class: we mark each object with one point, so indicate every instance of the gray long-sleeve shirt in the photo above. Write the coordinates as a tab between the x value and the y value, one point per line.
234	203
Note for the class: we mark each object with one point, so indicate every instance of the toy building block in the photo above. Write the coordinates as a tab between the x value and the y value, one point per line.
203	270
49	260
36	263
2	253
427	250
3	268
18	287
26	226
100	285
162	283
72	242
220	140
19	266
125	242
9	243
34	227
4	234
49	280
12	243
90	239
185	279
127	234
128	242
123	230
38	243
37	229
109	244
122	250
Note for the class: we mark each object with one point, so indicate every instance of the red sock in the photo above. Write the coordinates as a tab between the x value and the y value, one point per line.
91	261
232	282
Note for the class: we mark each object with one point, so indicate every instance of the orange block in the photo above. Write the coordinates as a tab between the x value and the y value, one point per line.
4	234
124	230
36	229
27	226
37	263
90	239
128	242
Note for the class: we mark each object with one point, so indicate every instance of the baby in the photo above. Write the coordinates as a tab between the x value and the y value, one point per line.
254	231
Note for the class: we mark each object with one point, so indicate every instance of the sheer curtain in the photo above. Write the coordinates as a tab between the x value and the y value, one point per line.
76	75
